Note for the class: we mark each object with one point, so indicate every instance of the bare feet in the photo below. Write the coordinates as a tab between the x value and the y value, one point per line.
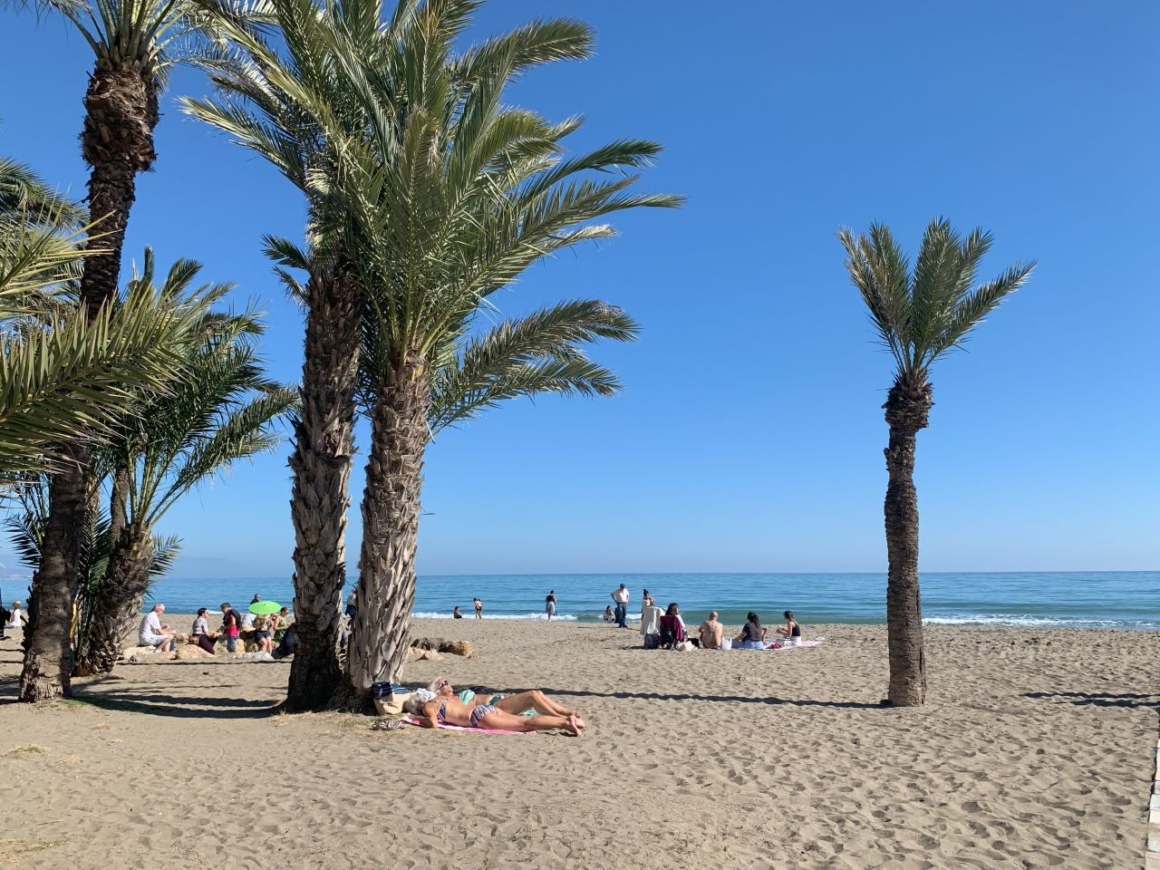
574	725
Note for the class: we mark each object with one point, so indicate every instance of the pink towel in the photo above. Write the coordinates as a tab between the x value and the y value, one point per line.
412	720
805	643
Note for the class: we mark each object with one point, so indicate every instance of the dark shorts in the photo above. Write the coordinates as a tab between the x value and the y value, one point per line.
261	635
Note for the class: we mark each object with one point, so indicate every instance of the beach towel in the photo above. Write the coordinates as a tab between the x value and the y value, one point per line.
413	720
804	643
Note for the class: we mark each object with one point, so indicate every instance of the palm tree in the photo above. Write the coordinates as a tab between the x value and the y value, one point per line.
62	378
219	409
919	315
290	105
454	198
131	42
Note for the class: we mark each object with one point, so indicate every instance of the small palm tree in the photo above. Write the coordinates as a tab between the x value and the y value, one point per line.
919	315
220	408
82	377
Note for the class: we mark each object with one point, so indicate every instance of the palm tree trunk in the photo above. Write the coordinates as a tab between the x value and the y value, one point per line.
48	652
117	142
907	412
323	445
117	602
390	510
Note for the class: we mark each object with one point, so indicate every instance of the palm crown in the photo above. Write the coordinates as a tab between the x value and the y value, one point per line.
922	314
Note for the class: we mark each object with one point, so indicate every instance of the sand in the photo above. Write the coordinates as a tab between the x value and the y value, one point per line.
1036	749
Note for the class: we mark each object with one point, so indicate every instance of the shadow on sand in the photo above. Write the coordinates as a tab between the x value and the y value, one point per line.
156	704
666	696
1098	699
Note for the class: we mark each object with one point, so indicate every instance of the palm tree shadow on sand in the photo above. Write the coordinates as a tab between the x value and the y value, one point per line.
667	696
1099	699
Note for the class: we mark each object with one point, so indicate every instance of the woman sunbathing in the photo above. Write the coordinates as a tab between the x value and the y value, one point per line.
447	709
517	704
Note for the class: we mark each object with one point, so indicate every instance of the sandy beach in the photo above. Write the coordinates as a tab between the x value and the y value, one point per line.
1036	749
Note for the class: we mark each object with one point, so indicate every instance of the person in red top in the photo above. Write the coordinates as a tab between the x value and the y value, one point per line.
231	626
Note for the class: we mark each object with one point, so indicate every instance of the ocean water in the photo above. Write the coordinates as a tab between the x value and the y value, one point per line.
1123	600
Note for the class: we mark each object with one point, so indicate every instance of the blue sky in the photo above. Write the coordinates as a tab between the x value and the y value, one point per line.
749	435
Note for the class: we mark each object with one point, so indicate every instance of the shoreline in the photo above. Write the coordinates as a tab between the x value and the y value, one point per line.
1035	749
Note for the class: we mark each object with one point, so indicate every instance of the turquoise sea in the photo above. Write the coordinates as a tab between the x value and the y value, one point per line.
1123	600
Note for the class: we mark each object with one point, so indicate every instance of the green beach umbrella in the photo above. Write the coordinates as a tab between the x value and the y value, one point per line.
260	608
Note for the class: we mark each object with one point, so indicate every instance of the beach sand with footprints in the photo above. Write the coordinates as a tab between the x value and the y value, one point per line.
1036	749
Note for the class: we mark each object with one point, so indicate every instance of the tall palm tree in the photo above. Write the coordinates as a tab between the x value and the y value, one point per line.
130	40
454	198
285	99
220	409
919	315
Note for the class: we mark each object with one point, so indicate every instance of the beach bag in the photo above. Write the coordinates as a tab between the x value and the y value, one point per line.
652	641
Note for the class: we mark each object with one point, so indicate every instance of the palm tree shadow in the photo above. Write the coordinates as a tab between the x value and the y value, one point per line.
670	696
178	706
1099	699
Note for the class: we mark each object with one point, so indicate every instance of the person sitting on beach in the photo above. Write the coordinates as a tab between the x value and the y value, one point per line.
435	710
712	632
231	626
280	623
791	631
263	635
200	633
15	617
288	643
455	614
672	627
518	704
609	616
154	633
752	634
650	626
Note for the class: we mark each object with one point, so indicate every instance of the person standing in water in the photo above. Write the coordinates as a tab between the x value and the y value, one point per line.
550	604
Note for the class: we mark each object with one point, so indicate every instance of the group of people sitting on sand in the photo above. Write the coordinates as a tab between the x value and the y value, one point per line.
667	630
439	704
270	633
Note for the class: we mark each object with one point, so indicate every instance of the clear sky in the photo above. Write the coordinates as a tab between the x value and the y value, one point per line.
749	435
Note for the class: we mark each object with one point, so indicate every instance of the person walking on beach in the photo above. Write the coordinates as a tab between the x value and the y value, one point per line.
550	604
620	598
478	607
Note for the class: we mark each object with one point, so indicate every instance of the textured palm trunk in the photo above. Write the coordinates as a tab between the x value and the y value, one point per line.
118	601
117	142
390	510
907	412
48	651
323	445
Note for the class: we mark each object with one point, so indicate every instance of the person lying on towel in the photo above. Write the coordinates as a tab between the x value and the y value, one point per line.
446	708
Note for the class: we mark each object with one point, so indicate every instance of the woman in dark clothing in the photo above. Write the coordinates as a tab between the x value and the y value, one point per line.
752	634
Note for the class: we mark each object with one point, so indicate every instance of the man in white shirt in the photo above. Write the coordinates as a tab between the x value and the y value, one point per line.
620	596
154	632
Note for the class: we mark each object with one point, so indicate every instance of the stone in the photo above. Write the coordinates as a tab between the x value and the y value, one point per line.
1154	838
189	653
458	648
130	652
427	642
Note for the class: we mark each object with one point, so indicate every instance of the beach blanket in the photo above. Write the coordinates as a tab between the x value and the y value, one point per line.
412	720
804	643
